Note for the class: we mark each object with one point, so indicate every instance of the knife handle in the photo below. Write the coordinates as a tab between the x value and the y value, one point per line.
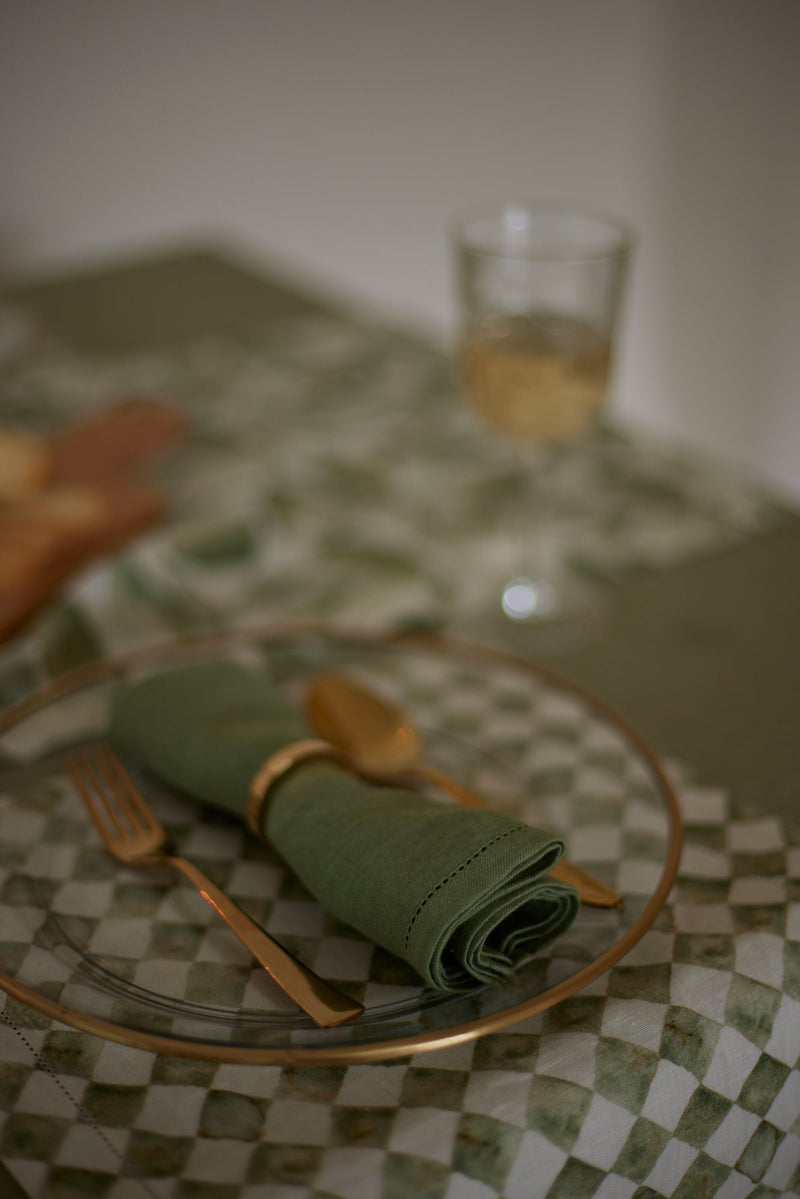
327	1006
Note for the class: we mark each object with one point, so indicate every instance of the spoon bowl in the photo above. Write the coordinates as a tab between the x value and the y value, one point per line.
371	730
376	734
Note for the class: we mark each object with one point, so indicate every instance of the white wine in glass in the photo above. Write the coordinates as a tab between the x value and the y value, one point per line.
539	293
539	376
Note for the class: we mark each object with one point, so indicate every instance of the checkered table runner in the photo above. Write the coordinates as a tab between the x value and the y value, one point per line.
340	456
307	486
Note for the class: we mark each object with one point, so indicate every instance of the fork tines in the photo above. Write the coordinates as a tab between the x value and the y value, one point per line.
109	792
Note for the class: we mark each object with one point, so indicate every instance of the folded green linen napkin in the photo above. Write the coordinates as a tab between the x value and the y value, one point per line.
461	894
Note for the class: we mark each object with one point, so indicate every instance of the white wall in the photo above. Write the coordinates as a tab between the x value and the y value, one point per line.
336	137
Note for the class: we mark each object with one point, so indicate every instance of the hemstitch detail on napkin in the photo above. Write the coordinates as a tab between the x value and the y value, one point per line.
451	876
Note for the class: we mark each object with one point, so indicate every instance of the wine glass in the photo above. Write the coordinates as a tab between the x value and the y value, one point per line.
539	288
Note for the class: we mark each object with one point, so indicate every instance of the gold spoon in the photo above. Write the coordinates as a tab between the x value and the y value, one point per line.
382	742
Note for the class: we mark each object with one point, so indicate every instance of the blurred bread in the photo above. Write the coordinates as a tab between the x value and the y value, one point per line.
124	438
44	540
24	464
77	497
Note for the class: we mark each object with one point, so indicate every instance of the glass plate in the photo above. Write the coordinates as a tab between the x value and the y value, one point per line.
139	957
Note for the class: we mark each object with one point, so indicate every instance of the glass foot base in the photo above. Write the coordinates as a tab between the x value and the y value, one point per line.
525	599
542	618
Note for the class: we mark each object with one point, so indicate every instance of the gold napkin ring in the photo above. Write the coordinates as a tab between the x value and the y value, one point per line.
275	768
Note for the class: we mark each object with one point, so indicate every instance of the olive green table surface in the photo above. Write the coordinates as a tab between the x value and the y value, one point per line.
332	473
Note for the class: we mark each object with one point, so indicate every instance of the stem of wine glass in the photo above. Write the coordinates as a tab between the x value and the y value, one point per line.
535	593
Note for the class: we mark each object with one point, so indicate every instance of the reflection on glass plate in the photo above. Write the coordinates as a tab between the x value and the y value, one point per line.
140	957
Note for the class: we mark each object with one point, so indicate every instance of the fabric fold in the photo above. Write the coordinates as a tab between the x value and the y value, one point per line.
460	894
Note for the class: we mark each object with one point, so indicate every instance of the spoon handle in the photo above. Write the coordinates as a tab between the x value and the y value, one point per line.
439	779
591	890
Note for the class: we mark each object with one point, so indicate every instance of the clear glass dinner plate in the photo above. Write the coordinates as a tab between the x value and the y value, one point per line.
137	956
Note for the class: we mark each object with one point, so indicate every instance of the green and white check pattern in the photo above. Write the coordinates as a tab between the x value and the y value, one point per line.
675	1074
332	470
331	474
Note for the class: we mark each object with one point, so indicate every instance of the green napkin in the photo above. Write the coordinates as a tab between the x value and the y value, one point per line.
459	893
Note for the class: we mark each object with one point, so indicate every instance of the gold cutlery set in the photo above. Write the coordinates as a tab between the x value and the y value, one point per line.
376	738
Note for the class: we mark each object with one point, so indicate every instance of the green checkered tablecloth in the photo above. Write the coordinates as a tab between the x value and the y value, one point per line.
332	470
330	473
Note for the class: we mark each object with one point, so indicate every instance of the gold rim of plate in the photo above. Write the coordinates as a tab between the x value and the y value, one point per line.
106	669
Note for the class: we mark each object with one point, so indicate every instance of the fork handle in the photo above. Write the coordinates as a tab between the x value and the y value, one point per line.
327	1006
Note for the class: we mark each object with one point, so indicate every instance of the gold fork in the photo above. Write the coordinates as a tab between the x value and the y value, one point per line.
133	835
